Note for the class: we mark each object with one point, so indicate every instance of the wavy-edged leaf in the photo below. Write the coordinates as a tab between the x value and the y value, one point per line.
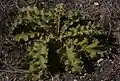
22	36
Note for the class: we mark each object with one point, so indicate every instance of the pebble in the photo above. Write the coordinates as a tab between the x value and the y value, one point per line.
118	29
85	74
7	78
75	79
43	2
112	62
96	3
100	60
101	70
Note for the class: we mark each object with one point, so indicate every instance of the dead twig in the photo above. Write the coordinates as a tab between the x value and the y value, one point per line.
110	29
15	71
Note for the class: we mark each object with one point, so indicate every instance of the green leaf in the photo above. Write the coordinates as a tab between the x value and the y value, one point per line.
18	37
74	62
83	42
22	36
31	34
64	32
94	44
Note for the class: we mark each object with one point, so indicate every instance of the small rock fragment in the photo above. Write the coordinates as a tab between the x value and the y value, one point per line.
75	79
96	3
100	60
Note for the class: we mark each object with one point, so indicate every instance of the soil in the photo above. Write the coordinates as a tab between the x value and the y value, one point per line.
12	53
